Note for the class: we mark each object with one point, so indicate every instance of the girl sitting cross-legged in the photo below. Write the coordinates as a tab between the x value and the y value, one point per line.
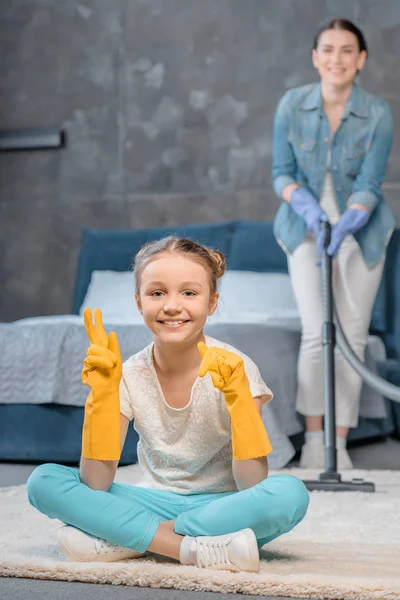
196	404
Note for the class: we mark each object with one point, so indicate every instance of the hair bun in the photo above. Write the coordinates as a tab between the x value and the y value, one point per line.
212	260
219	261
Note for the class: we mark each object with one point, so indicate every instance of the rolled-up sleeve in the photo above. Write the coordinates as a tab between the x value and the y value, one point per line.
283	161
367	186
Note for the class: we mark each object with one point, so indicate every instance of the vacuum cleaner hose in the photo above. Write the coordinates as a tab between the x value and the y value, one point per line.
376	382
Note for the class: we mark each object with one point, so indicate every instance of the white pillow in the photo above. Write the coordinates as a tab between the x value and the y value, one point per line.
245	297
248	297
113	293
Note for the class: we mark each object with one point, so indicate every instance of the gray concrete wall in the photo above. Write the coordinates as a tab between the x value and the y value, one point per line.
168	107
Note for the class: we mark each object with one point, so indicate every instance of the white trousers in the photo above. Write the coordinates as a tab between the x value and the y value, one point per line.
354	288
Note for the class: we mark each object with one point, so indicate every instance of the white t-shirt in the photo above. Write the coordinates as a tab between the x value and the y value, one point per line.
328	197
183	450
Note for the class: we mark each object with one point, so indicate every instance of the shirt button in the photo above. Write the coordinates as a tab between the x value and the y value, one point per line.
326	140
334	167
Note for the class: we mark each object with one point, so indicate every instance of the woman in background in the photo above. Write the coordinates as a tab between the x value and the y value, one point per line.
331	145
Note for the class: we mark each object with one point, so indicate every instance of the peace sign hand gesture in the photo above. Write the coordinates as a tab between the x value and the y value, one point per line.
102	371
226	368
103	362
249	438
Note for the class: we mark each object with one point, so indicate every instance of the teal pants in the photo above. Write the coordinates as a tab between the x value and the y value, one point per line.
129	515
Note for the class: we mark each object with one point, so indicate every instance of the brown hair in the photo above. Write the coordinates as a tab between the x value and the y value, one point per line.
346	26
213	260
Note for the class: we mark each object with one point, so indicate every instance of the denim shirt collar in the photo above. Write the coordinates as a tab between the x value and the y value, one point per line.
355	105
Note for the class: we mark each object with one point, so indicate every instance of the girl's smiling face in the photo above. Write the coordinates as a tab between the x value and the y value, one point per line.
175	297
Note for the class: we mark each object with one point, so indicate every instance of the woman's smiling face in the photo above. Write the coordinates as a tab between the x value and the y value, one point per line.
337	57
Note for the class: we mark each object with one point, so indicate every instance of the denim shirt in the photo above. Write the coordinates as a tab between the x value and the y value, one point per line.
359	152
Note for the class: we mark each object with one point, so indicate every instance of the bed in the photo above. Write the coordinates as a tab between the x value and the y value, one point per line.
41	393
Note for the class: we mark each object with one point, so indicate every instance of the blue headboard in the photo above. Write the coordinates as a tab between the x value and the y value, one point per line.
248	246
115	250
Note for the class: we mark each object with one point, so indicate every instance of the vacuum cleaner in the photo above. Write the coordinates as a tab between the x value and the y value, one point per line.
330	480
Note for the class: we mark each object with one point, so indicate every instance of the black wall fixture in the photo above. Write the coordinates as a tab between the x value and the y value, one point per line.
31	139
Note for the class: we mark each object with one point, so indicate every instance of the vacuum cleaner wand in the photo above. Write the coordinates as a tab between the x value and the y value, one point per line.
330	480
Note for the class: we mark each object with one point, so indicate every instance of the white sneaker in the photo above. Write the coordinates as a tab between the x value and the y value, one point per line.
82	547
313	457
344	460
236	551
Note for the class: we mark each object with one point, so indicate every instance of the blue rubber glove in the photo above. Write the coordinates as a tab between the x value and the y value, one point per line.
351	221
305	205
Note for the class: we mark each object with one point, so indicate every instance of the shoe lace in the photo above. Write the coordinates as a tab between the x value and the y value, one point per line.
212	552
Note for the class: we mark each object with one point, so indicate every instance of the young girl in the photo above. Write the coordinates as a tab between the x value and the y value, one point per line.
331	146
196	405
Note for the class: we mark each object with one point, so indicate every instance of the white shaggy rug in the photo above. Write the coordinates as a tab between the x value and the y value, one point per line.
347	547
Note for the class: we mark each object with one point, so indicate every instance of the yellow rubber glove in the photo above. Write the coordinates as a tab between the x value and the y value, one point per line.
102	371
249	438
